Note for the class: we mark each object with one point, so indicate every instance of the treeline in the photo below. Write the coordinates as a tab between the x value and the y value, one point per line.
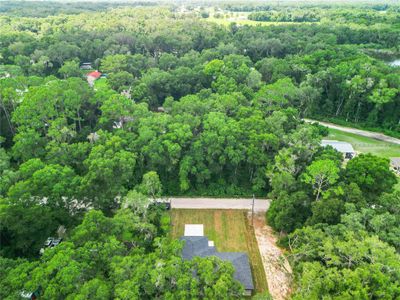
284	5
305	15
352	87
246	8
337	15
38	9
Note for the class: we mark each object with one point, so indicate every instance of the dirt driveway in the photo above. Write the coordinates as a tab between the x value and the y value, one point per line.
277	268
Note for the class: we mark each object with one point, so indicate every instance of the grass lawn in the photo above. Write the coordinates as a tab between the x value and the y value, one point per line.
101	83
230	231
397	186
366	144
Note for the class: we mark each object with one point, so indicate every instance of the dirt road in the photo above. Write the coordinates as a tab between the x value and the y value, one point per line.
260	205
370	134
277	268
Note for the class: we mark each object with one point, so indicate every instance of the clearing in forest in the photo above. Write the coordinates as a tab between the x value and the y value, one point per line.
231	232
364	144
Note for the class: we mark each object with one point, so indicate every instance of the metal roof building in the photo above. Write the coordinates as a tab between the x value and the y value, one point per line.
395	164
342	147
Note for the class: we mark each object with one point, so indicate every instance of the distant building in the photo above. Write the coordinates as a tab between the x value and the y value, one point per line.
86	66
395	164
92	77
199	245
50	243
343	147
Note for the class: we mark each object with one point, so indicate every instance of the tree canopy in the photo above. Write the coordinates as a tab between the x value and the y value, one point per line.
188	106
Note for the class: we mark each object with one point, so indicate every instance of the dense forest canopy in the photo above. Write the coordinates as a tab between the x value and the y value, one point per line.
186	106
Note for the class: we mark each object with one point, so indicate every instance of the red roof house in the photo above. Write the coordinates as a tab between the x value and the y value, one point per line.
94	74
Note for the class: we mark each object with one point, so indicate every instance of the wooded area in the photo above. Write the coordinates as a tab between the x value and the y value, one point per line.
189	107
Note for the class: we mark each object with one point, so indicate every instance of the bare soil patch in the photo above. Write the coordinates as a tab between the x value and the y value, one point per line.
276	266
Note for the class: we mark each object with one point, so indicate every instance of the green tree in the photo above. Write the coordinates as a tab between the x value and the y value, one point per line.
114	63
70	69
151	185
372	174
136	201
321	174
336	262
289	211
254	79
110	170
120	80
24	227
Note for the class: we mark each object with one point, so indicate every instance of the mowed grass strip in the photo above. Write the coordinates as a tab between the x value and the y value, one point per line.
365	144
230	231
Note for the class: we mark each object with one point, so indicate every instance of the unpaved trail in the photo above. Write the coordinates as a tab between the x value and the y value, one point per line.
370	134
277	268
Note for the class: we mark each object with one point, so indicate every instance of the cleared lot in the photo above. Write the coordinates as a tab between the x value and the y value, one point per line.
366	144
230	231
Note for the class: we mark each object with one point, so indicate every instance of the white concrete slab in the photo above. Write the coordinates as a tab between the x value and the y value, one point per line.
194	230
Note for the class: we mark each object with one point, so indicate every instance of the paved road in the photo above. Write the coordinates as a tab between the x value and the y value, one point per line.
260	205
371	134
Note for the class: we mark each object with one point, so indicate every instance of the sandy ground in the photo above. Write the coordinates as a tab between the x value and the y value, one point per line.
371	134
277	268
260	205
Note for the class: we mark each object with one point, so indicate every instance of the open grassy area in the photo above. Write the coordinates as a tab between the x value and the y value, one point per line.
227	21
100	83
397	186
241	18
230	231
366	144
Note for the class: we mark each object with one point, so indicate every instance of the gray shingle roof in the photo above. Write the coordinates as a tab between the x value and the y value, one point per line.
198	246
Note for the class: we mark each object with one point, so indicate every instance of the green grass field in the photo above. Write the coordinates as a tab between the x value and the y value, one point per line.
100	83
230	231
226	22
365	144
